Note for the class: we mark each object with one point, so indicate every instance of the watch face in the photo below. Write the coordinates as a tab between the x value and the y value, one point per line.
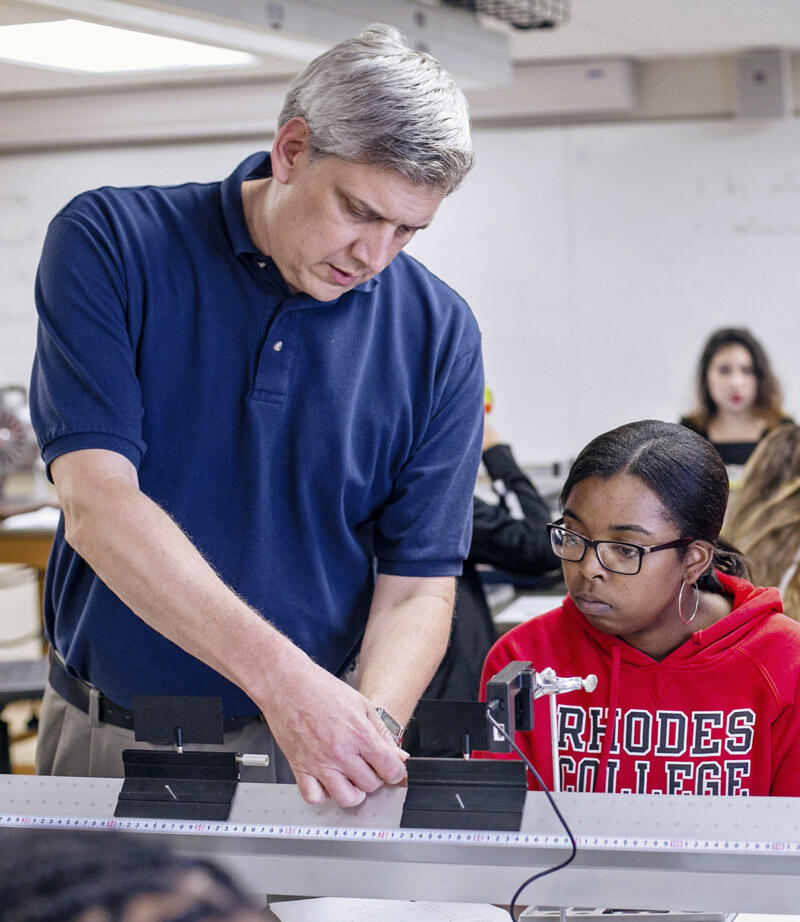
391	724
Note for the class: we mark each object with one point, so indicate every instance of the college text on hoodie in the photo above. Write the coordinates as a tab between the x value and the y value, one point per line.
718	715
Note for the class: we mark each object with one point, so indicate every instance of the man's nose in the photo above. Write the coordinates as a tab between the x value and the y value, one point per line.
373	247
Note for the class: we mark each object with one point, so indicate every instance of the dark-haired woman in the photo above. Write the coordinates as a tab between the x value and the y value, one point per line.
697	669
738	396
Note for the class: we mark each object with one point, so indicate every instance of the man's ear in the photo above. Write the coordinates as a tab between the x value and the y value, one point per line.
289	147
697	560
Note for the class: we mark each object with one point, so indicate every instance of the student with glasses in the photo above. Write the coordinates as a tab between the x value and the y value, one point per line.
697	669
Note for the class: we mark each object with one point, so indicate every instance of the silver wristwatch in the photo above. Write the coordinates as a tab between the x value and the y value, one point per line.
391	725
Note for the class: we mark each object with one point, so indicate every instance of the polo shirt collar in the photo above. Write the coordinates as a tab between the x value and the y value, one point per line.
256	166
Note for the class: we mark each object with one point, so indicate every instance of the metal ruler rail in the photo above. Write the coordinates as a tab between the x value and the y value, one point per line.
432	836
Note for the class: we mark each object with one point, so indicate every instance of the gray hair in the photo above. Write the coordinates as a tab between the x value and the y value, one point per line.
372	99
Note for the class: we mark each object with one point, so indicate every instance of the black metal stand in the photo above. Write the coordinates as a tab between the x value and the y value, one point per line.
5	749
176	784
447	728
464	794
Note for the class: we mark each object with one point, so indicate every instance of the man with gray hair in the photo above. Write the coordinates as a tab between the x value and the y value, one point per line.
263	422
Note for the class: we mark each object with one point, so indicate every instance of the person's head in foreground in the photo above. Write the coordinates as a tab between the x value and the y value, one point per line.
372	136
697	669
75	876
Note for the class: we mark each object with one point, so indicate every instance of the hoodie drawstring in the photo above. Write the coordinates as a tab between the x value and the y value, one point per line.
602	771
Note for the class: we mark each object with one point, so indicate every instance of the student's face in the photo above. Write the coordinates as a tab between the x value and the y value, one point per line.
640	608
341	223
731	379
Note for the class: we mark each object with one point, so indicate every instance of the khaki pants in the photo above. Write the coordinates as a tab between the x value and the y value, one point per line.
73	743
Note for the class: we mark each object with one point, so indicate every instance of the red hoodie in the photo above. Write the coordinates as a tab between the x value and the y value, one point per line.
719	715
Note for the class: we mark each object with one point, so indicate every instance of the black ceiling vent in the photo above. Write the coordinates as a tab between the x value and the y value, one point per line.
521	14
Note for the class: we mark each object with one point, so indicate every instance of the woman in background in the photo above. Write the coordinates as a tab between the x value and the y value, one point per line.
698	670
738	396
764	515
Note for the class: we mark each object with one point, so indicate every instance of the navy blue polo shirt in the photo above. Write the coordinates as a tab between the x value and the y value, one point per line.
301	445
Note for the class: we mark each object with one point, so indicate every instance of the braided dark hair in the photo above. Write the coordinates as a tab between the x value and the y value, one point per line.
58	875
685	472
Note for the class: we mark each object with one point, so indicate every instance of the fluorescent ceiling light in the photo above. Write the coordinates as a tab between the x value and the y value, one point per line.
72	44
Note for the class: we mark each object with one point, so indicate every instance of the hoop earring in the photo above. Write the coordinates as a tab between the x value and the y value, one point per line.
680	603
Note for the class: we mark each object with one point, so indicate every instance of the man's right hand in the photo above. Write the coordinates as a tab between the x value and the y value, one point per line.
332	737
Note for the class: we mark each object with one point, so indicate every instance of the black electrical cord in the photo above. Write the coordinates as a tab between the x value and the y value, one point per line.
538	777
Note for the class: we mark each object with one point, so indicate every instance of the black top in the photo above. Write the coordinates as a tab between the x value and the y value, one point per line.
517	542
732	453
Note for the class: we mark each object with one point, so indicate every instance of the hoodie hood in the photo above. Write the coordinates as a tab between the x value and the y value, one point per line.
750	606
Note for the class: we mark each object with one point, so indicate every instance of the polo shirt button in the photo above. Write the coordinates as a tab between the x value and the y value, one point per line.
278	345
261	265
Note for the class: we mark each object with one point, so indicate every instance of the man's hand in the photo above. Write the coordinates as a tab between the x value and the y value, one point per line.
333	738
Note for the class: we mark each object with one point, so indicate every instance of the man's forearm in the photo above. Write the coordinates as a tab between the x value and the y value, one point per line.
405	640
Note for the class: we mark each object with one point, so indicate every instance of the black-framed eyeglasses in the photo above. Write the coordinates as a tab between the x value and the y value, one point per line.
615	556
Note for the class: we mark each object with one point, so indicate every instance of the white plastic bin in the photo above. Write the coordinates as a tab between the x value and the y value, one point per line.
20	622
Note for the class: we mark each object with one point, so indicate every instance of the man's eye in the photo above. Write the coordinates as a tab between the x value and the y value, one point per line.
356	210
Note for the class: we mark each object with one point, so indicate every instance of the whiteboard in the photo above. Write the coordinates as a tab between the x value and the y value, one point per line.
681	229
596	259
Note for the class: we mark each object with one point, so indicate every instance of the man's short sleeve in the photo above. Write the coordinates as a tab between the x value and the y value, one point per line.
84	389
425	527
